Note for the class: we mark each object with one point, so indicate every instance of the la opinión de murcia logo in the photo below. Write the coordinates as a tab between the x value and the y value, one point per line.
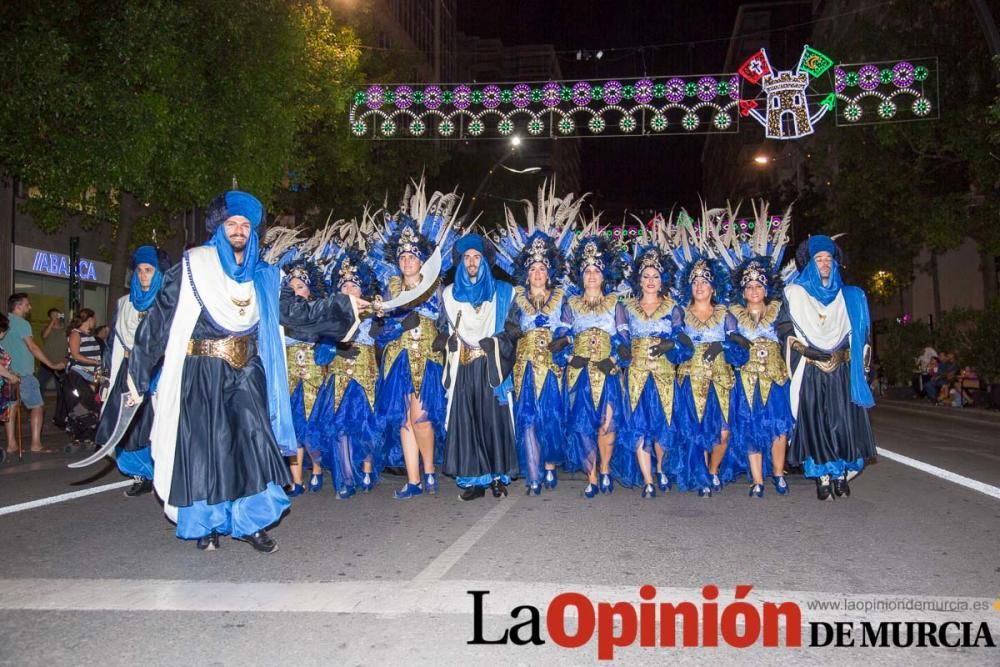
707	624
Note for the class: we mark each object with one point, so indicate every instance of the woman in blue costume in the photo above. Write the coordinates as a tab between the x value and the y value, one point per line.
223	419
594	389
133	456
410	399
762	416
352	444
825	328
307	371
651	378
535	255
706	380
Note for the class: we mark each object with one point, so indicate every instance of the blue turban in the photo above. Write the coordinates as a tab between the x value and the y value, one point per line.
233	202
464	289
142	299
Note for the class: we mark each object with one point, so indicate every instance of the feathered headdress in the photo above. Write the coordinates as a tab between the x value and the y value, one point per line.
752	248
651	250
421	225
546	237
688	240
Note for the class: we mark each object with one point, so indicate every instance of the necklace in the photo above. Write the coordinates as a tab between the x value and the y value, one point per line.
243	303
538	301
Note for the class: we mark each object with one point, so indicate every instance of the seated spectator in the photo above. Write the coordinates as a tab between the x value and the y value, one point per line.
922	373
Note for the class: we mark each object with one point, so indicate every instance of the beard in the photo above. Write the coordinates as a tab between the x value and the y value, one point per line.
238	242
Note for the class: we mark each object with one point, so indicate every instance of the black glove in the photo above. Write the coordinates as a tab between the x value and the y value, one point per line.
625	353
512	329
606	366
440	342
714	349
378	324
740	340
784	329
558	344
661	348
486	343
578	362
815	355
411	321
685	340
349	352
453	343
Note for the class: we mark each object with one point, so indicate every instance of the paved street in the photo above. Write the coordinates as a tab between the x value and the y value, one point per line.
101	579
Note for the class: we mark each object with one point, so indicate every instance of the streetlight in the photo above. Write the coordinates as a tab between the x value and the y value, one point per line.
761	159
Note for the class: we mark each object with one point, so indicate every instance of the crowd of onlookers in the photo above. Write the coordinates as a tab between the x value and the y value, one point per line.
69	359
939	378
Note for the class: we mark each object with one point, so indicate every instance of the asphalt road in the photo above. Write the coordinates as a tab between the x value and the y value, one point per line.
101	579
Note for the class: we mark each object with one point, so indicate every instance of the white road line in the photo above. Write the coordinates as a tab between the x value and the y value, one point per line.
946	475
52	500
447	596
438	567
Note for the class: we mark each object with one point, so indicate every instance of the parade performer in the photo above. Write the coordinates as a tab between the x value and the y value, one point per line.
825	328
223	408
148	265
705	381
651	376
535	255
410	400
352	441
593	387
307	368
762	416
480	340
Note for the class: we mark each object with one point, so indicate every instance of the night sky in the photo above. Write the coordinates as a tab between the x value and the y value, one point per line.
650	172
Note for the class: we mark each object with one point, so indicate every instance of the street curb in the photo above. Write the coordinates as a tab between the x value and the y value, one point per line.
981	417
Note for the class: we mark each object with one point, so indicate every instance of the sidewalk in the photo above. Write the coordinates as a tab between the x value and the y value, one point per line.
974	415
54	439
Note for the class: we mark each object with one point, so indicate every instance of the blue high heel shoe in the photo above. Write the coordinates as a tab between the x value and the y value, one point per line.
535	488
780	485
757	491
664	482
705	492
716	484
408	491
297	490
346	492
590	491
430	484
316	482
367	482
648	491
550	479
607	486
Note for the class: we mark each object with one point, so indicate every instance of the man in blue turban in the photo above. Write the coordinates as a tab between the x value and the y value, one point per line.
825	329
480	450
223	417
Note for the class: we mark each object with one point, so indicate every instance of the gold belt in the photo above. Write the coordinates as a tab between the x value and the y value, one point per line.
841	356
594	343
470	354
237	351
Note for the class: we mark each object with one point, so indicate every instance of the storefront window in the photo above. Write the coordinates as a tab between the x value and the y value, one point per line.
50	292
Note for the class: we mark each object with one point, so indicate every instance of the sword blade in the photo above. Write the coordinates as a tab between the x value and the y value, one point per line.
126	413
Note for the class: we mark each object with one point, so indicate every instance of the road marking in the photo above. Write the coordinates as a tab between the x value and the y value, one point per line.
52	500
947	475
447	558
446	596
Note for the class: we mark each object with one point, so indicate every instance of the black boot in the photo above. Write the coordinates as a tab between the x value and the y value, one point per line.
260	541
471	493
140	485
823	491
209	542
840	488
499	488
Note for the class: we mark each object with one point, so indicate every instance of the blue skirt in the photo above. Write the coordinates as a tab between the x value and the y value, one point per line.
687	469
756	427
584	420
392	405
649	426
539	426
352	437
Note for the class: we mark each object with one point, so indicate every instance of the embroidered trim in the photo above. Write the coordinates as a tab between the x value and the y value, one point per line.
526	305
718	315
579	304
665	308
746	321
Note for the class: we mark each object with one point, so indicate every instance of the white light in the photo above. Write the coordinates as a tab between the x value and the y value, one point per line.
579	55
761	159
600	54
515	141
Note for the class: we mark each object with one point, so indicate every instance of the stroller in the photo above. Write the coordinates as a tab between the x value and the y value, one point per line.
82	397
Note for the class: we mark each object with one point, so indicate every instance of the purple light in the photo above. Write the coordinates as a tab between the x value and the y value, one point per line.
643	91
868	77
432	97
734	87
404	97
902	74
613	92
521	95
491	96
706	89
550	94
581	93
462	97
839	79
675	90
374	97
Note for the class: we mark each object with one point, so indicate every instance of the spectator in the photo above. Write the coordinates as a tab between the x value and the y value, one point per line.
8	381
54	345
101	333
923	363
23	351
943	370
84	360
